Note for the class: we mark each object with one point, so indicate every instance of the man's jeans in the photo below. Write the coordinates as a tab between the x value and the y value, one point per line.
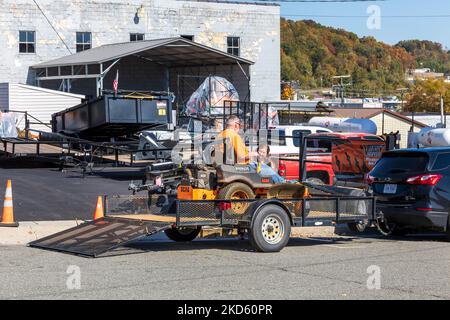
267	171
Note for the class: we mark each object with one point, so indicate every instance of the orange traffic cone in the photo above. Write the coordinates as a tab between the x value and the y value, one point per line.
8	212
99	211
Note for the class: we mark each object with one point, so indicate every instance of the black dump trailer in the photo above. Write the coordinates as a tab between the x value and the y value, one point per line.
110	116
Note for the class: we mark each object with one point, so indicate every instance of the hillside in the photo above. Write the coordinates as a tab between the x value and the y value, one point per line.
312	54
428	54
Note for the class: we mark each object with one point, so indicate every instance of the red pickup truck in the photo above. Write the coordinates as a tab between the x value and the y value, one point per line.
346	157
315	172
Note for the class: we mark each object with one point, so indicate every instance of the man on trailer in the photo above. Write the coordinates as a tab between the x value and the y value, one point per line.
231	133
241	153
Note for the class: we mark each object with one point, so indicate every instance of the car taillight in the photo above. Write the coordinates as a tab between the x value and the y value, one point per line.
282	169
425	179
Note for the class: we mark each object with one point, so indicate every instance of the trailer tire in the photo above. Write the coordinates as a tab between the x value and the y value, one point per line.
183	234
271	229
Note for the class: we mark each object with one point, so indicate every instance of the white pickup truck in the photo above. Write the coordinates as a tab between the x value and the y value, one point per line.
286	142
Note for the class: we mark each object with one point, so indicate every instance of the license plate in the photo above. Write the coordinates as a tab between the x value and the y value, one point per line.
390	188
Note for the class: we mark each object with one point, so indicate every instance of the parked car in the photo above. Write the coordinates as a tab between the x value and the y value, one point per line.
353	154
288	142
342	158
413	189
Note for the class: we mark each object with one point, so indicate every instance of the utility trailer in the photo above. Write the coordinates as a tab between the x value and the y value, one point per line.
267	221
182	200
114	115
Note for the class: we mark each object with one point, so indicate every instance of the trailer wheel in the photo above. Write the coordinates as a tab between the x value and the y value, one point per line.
182	234
271	229
240	191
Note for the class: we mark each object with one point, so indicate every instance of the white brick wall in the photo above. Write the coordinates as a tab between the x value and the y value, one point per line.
112	21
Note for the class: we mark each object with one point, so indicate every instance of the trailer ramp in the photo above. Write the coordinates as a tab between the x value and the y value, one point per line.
94	238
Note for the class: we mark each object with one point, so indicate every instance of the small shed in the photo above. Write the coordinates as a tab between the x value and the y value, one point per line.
38	102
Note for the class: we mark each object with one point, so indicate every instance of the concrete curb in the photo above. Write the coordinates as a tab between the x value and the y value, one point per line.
31	230
28	231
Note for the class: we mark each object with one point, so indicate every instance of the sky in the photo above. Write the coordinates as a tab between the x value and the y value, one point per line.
389	28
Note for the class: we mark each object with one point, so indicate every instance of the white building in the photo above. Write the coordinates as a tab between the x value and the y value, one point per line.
39	103
32	32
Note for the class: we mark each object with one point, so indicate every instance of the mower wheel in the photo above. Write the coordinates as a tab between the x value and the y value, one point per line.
182	234
271	229
237	191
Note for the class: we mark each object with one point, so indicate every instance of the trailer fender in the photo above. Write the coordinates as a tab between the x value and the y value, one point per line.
256	206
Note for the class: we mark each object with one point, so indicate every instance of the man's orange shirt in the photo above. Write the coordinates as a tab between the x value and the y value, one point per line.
239	147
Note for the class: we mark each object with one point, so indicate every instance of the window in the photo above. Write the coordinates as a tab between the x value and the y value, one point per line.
84	41
276	138
401	164
233	45
442	161
296	134
27	41
188	37
136	36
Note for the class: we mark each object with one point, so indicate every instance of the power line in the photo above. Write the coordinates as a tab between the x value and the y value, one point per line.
365	17
321	1
51	25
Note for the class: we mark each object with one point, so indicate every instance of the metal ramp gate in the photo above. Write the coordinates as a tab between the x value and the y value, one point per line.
94	238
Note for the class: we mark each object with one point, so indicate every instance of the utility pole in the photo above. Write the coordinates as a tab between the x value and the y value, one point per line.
342	86
402	93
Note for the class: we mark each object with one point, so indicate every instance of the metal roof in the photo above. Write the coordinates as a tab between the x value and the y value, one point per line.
172	52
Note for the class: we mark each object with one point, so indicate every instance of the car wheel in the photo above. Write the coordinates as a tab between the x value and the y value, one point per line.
391	229
182	234
400	232
385	228
271	229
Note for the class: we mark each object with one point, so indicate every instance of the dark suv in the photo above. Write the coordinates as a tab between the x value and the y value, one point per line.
412	187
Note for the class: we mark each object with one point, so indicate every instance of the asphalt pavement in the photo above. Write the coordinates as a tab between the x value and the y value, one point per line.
44	194
415	267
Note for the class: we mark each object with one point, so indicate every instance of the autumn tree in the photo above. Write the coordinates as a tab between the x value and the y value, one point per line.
287	92
425	96
312	54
